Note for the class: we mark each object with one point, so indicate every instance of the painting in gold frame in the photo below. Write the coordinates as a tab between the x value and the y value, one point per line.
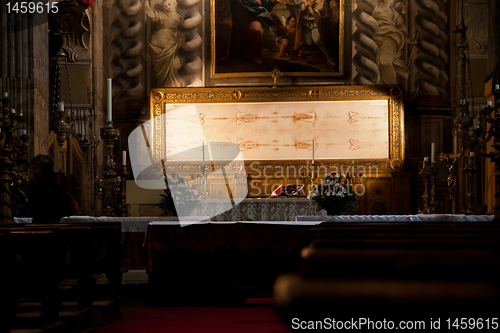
250	40
348	108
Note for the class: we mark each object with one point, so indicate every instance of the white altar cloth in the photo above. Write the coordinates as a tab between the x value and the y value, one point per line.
140	224
400	218
129	224
174	223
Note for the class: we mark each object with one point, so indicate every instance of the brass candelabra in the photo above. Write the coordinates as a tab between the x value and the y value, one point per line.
109	186
312	188
13	148
468	134
491	115
428	173
121	207
204	181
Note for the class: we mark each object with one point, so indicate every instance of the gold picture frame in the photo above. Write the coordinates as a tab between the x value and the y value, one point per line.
391	130
235	52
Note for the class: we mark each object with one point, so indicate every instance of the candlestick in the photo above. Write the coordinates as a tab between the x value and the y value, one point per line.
433	152
313	152
124	157
471	157
61	106
110	99
203	149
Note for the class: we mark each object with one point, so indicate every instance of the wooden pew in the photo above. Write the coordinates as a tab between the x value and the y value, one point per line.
33	252
45	249
385	269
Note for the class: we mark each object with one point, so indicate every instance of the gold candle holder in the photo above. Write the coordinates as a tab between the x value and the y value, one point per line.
109	185
428	173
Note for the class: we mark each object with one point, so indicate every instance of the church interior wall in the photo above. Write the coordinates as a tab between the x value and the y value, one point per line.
117	47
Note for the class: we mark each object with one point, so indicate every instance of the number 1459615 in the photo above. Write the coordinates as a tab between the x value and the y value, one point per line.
28	7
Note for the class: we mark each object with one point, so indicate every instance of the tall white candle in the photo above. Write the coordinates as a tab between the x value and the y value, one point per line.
313	152
13	111
110	99
433	152
5	94
24	132
203	149
124	157
61	106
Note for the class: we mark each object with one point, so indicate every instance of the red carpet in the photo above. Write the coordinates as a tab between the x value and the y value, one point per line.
205	320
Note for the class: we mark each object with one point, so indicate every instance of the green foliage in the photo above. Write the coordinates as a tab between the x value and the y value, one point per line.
335	194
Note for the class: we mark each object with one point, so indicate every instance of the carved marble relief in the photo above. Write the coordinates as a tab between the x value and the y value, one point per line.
75	33
391	36
164	43
387	52
476	14
127	49
174	42
380	35
431	75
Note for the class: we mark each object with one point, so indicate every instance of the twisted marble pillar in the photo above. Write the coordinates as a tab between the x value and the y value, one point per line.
366	69
128	48
431	60
188	30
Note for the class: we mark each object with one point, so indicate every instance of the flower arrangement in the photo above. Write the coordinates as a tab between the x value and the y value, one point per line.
335	194
178	193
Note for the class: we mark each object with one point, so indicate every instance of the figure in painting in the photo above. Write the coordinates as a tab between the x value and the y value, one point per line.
391	36
312	16
223	26
286	38
250	17
293	35
164	43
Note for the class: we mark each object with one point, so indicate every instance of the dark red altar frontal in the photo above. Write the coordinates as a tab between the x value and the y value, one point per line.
241	257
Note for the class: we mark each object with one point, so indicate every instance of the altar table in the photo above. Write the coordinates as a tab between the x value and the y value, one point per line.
236	257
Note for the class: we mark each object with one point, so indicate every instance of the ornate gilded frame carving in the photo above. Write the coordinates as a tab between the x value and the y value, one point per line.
337	71
393	94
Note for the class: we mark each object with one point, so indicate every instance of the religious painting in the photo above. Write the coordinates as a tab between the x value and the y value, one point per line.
250	38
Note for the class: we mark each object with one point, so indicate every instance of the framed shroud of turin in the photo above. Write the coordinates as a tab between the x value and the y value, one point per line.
351	125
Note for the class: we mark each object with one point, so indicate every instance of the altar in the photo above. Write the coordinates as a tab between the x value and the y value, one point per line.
141	203
251	153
